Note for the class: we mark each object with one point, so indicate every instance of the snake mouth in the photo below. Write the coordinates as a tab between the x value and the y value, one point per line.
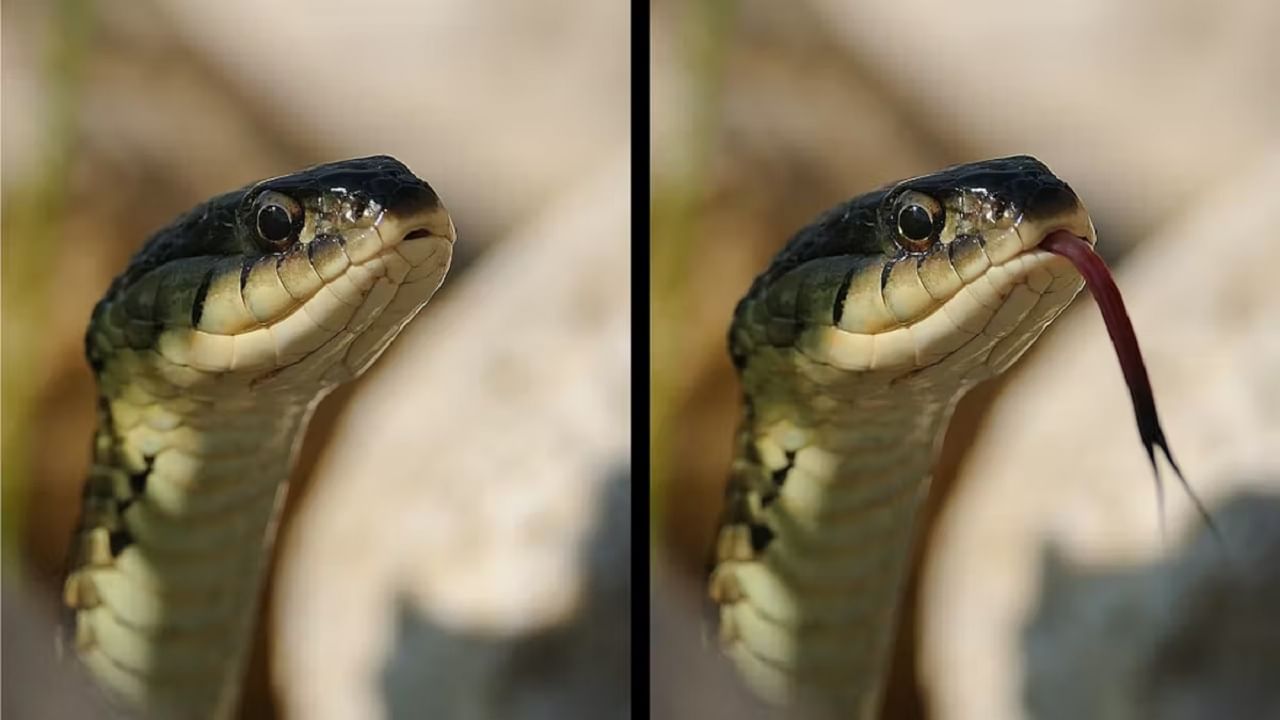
421	243
977	302
1086	237
334	302
415	233
423	238
1035	227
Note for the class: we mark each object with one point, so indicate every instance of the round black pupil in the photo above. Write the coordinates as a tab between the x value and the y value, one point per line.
915	222
274	223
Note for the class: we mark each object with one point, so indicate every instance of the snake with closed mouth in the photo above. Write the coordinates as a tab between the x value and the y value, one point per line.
211	352
853	349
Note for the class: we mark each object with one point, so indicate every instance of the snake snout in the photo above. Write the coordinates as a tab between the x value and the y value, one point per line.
1052	199
415	217
1053	206
409	197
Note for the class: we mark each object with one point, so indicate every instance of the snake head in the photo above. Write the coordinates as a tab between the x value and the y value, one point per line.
337	200
937	280
296	281
972	205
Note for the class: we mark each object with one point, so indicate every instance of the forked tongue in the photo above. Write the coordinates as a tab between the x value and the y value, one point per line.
1107	295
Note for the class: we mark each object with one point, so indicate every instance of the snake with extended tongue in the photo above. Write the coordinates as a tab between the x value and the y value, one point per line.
853	349
211	352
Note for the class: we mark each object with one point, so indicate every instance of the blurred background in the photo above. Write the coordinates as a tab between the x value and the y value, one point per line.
1043	586
457	538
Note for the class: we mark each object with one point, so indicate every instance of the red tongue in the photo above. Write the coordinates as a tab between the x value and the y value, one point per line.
1107	295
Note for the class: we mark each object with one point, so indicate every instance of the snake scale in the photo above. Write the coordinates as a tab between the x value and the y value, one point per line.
211	351
853	348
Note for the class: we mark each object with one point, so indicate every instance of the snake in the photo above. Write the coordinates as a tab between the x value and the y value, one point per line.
211	351
853	349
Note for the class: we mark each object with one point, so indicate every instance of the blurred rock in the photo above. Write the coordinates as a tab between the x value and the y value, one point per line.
1059	460
581	668
1194	636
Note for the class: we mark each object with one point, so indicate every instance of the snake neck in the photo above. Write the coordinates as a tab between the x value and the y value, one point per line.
191	446
178	519
814	546
211	349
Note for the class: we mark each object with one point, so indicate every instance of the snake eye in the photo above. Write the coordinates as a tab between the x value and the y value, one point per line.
915	223
918	214
277	219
